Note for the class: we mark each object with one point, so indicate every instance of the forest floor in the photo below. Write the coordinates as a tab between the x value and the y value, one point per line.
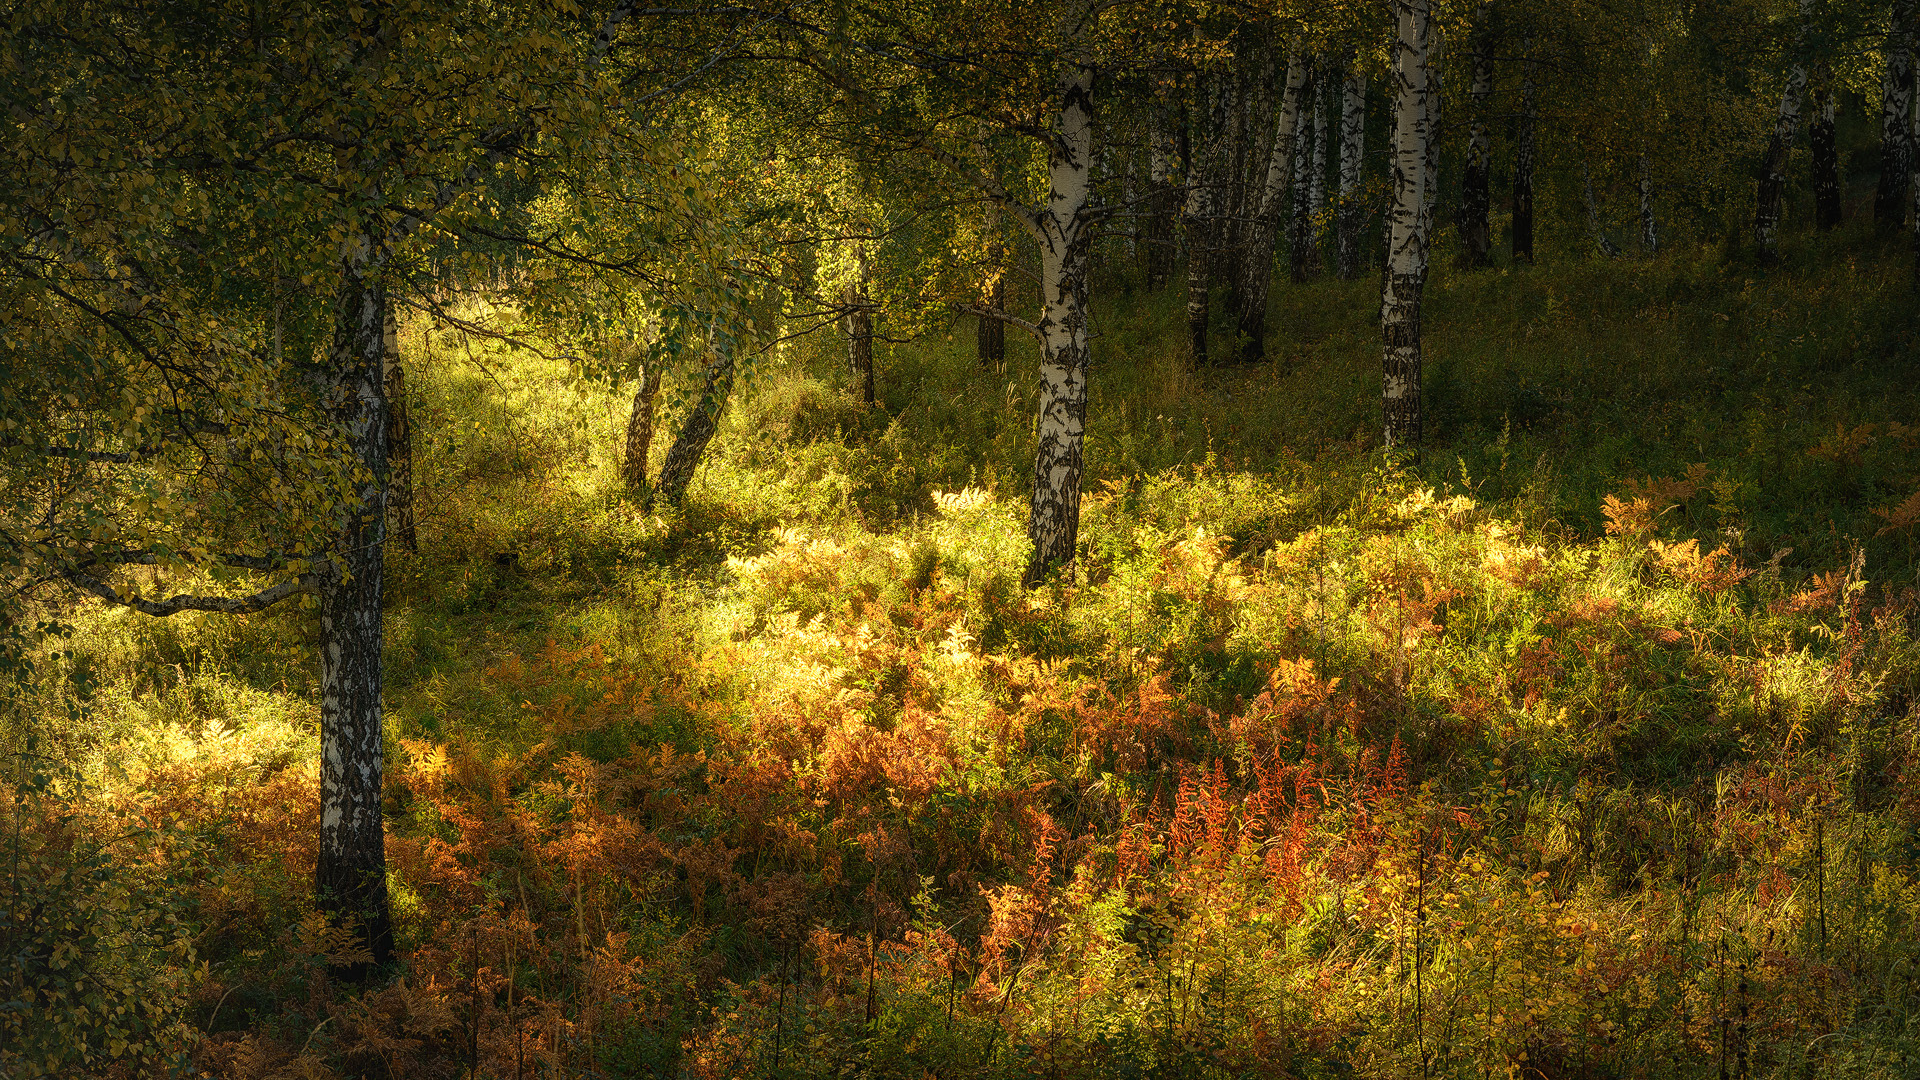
1579	750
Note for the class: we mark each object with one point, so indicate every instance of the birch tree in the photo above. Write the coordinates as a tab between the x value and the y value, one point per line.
1896	117
1407	222
1770	202
1268	194
1353	156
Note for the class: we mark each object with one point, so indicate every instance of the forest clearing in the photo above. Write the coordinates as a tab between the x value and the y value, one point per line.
531	552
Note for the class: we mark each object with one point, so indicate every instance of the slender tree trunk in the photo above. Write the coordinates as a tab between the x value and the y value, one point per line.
399	439
1203	193
1301	239
1322	135
1595	226
1896	119
1158	250
990	334
1476	230
1523	150
1064	229
1771	201
1406	225
860	343
1826	155
1353	149
1267	193
633	469
1649	232
697	430
351	878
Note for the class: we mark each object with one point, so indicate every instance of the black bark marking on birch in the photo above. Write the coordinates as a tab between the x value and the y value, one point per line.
351	882
703	419
1896	119
633	466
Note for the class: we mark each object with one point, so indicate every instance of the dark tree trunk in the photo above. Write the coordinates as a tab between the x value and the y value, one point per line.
633	467
1770	202
1476	235
1162	204
990	334
399	440
860	343
351	882
1826	158
1523	151
1303	255
703	419
1896	120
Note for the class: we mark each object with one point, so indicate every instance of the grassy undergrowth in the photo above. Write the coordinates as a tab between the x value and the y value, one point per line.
1580	750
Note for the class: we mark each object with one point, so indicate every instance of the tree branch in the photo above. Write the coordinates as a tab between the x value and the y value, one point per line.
174	605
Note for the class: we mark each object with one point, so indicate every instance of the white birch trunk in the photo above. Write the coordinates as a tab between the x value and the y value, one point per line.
1896	118
1771	202
1322	132
1353	148
1064	229
1266	199
350	879
1406	271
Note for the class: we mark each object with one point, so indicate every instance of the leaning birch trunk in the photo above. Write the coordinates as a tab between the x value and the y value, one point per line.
1476	203
703	419
399	438
1771	201
1201	218
1896	119
1265	197
633	468
1523	152
1064	228
1826	154
1407	251
351	872
1353	148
